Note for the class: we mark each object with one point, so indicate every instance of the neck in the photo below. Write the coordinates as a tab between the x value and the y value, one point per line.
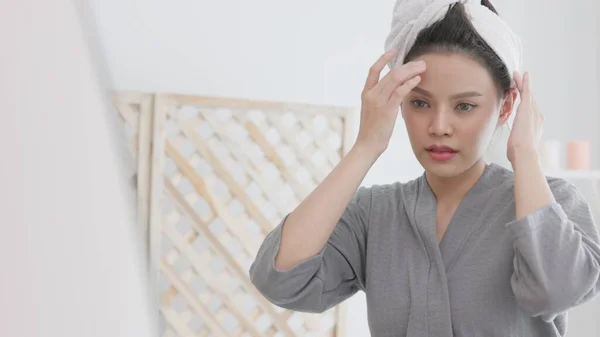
452	190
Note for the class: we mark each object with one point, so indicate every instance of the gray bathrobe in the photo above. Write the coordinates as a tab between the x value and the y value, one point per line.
491	275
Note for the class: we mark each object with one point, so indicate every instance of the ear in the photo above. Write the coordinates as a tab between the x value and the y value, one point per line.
508	104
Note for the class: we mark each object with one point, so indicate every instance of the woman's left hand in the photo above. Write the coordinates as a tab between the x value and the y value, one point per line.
527	127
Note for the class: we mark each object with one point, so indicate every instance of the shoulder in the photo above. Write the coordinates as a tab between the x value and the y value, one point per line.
386	191
502	180
561	187
389	198
368	197
391	191
572	205
566	194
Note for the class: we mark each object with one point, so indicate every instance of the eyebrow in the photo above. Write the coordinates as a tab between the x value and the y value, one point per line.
457	96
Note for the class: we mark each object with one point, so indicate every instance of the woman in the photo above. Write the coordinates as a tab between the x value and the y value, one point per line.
468	248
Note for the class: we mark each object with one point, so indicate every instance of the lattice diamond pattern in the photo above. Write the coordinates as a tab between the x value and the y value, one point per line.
230	175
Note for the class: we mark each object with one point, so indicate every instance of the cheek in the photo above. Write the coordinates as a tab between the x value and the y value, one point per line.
480	130
414	124
415	130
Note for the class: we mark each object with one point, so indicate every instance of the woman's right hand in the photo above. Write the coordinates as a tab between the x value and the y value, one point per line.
381	101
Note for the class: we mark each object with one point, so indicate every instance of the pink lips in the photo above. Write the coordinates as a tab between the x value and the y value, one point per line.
441	152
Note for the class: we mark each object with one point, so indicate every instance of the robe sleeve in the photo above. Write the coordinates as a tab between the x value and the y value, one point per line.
557	255
326	279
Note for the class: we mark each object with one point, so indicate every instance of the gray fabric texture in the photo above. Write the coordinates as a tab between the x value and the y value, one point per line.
491	275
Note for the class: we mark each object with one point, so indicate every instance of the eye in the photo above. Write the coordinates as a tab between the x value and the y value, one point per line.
466	107
419	104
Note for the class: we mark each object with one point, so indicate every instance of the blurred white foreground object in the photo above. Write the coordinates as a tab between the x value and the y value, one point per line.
72	265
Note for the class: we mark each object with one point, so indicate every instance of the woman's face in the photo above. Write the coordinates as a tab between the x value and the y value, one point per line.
452	114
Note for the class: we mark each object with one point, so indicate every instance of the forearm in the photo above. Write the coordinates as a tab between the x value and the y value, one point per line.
532	191
554	235
310	225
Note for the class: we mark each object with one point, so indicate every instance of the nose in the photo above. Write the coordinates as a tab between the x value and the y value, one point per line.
441	124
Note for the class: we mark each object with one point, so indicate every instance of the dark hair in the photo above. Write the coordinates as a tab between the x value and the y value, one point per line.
455	33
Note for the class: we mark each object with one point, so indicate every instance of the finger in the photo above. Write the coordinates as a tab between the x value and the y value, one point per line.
398	77
525	90
375	70
537	110
401	91
518	81
535	105
526	84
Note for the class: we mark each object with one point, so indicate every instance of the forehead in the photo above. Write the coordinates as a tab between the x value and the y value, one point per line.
451	73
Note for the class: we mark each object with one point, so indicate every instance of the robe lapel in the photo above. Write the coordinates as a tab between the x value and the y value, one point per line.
421	211
467	218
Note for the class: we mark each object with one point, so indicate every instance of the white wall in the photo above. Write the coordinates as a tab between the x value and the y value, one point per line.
561	47
311	51
320	51
71	261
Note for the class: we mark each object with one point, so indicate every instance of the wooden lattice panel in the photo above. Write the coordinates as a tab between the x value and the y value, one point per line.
224	173
135	112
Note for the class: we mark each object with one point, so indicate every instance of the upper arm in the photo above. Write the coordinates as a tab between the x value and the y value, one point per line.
348	242
326	279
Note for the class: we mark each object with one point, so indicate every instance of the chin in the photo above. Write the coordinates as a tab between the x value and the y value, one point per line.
447	169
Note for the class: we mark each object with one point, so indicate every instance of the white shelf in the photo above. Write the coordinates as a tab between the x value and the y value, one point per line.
573	174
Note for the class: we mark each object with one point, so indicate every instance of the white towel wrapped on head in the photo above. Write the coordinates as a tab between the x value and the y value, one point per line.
412	16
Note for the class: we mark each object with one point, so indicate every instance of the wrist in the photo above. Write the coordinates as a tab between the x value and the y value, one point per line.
525	157
365	152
